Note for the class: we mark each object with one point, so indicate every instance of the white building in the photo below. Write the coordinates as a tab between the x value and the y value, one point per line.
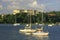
32	12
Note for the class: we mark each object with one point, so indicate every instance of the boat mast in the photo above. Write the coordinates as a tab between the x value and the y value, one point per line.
15	18
42	17
30	20
42	21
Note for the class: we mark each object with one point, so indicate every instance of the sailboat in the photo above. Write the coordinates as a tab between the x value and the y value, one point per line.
28	29
50	25
16	24
40	32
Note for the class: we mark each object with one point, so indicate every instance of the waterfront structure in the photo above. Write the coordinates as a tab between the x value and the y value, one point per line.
32	12
16	11
51	14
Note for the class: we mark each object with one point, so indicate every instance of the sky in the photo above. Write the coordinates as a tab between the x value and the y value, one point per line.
7	6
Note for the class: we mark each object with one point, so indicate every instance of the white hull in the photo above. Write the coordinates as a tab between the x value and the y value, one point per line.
50	24
40	24
40	33
37	34
27	33
16	24
27	30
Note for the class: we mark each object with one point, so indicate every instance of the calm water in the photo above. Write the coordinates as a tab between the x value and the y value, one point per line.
10	32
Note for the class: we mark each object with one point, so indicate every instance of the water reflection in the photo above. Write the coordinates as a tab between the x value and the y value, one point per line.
42	37
30	37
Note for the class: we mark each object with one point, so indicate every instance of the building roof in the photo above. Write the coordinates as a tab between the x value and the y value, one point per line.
51	14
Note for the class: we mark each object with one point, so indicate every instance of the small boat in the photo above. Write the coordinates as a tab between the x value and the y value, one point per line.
40	32
16	24
27	30
15	21
41	24
50	24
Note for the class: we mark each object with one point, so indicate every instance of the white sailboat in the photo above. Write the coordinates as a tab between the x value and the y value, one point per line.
50	25
39	32
16	24
28	28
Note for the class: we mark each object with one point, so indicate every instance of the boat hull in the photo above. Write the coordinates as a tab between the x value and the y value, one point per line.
16	24
27	30
28	33
40	34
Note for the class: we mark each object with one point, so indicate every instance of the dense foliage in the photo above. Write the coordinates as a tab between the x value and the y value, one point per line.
25	18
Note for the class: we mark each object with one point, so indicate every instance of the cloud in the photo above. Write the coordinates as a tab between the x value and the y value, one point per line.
42	6
7	0
1	6
23	4
12	0
11	7
26	4
14	3
34	3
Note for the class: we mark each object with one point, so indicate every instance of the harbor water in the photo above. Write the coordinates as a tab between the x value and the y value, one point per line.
11	32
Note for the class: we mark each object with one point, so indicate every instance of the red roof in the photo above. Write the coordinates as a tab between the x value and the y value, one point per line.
51	14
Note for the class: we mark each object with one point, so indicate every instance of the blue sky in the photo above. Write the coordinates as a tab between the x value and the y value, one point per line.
7	6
